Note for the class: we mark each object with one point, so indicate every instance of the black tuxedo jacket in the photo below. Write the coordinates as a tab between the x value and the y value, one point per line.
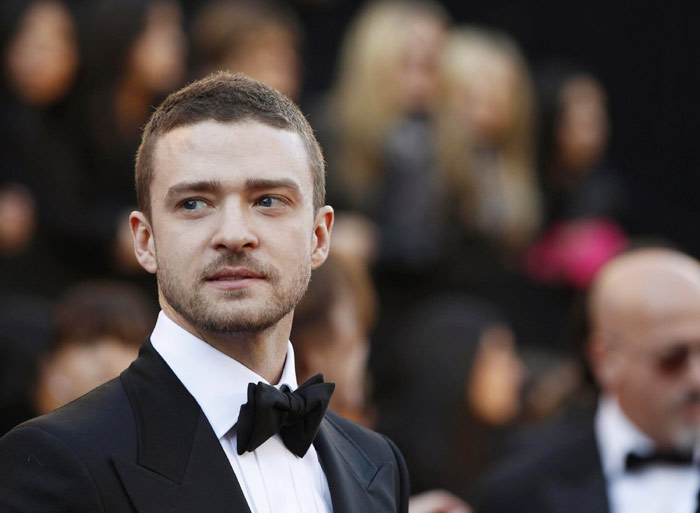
140	443
560	473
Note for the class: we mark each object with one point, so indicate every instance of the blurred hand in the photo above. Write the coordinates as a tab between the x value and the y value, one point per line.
17	219
437	501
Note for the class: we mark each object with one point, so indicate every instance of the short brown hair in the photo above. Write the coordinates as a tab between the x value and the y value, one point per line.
225	97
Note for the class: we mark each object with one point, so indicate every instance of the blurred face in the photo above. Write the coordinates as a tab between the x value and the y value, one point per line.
582	128
159	54
418	63
42	58
233	235
656	374
272	57
497	376
75	369
486	99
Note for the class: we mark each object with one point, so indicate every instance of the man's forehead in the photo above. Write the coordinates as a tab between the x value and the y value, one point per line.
187	134
229	143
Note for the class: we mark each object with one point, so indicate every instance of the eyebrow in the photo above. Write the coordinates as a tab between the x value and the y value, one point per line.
277	183
189	187
179	189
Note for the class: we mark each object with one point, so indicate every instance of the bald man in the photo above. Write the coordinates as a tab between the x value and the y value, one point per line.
639	451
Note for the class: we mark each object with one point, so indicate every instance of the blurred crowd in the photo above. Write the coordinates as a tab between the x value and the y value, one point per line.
474	195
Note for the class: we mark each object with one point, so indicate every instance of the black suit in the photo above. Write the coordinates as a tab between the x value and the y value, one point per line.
140	443
562	474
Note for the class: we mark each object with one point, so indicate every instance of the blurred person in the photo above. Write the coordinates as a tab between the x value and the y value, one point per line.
40	55
41	157
98	327
585	200
232	221
135	53
387	69
259	38
577	180
331	333
376	128
484	137
636	452
456	391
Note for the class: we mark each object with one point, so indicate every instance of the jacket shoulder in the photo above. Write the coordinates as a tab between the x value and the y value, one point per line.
99	419
561	453
62	460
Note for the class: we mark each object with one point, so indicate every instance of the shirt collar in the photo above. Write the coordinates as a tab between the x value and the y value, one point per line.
218	383
617	436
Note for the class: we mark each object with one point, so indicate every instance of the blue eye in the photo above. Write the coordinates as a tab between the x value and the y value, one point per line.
192	204
270	201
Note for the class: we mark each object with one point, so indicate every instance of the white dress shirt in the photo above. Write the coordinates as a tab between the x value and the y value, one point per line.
652	489
272	478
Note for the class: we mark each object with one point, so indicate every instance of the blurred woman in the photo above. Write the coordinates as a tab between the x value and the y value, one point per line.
484	133
574	132
586	201
259	38
387	69
135	54
455	391
39	155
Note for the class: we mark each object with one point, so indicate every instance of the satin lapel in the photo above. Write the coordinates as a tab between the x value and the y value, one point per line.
356	484
181	465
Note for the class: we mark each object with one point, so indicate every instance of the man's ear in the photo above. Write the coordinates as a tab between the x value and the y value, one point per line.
321	240
144	244
604	359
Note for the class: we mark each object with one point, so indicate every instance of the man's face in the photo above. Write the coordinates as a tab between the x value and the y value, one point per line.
658	373
233	235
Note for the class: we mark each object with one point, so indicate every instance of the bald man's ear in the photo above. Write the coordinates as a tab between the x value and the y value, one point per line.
604	360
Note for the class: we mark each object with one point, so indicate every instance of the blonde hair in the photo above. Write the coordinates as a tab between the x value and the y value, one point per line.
365	96
467	49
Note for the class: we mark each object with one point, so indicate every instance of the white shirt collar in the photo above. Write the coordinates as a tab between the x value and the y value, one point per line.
617	436
218	383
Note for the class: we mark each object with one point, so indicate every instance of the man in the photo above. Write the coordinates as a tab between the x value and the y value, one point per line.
230	187
640	450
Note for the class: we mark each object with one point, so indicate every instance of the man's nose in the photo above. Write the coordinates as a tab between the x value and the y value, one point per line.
234	229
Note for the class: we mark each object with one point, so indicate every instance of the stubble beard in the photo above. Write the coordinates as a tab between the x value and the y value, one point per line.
226	313
685	434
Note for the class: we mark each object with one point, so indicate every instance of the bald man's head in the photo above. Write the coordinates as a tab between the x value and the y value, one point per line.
645	345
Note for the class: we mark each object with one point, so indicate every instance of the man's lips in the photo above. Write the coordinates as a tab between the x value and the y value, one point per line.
233	277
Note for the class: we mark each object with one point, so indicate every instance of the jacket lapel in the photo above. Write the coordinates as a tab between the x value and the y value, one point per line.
581	487
181	465
356	484
585	495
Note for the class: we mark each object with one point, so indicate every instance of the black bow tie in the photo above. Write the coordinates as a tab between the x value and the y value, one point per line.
636	461
296	416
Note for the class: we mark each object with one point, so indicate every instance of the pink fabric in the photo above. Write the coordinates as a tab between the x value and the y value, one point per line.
571	252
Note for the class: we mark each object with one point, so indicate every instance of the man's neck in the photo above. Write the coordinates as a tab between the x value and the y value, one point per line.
263	352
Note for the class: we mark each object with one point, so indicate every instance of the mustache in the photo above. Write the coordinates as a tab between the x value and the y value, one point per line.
688	398
267	271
